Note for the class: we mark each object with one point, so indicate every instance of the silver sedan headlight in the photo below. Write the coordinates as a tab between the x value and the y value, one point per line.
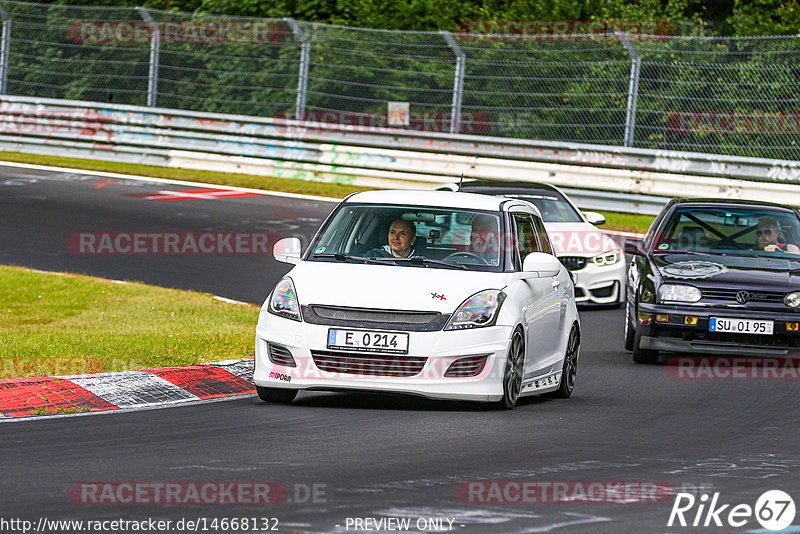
678	293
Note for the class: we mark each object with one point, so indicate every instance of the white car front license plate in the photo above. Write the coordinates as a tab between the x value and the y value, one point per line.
368	340
740	326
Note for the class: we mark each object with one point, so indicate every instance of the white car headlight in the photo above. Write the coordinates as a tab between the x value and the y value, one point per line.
607	258
678	293
481	309
792	300
283	301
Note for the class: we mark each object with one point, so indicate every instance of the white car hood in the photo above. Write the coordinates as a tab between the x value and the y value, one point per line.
389	287
579	239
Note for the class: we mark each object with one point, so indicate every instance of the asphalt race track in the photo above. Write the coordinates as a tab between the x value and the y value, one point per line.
334	462
41	210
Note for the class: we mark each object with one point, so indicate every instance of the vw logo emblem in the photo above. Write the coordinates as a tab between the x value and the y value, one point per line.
742	297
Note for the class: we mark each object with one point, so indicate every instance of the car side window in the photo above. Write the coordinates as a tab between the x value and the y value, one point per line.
544	239
651	233
525	236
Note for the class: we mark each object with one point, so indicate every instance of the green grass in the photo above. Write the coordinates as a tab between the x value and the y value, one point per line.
53	325
614	221
53	411
627	222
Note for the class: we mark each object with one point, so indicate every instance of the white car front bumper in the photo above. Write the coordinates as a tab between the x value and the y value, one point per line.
600	284
432	352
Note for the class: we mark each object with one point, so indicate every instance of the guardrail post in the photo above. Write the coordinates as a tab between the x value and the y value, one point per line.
5	45
302	75
155	45
633	88
458	81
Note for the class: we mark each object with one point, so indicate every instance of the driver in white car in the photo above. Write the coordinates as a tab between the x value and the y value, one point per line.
402	235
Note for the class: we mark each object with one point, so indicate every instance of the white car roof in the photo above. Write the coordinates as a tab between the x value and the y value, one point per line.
444	199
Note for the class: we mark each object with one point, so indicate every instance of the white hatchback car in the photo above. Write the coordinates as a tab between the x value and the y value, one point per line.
439	294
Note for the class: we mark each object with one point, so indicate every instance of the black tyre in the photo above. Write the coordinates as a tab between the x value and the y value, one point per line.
630	331
570	369
512	376
641	355
275	395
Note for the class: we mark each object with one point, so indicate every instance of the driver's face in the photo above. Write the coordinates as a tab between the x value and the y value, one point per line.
483	240
766	235
401	238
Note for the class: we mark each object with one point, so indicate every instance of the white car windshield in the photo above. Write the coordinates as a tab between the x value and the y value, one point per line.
414	236
553	208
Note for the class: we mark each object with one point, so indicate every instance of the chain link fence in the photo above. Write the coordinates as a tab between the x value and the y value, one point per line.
736	96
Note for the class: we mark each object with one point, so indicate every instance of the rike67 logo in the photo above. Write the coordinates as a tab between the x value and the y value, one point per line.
774	510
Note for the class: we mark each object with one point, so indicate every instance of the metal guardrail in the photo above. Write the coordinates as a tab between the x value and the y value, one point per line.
587	199
610	178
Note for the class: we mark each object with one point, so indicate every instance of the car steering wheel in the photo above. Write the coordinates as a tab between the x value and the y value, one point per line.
376	253
479	260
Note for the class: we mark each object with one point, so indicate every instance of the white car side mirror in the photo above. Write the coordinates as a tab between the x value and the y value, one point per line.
544	265
594	218
287	250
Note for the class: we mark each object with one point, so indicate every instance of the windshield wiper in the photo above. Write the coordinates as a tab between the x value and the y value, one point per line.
745	253
715	252
422	260
678	251
338	256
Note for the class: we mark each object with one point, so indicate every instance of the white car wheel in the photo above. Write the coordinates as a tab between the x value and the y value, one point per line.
515	368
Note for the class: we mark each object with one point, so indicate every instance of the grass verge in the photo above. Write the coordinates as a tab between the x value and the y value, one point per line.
614	221
627	222
53	325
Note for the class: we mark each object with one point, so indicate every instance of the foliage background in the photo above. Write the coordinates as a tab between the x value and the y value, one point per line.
720	17
715	84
